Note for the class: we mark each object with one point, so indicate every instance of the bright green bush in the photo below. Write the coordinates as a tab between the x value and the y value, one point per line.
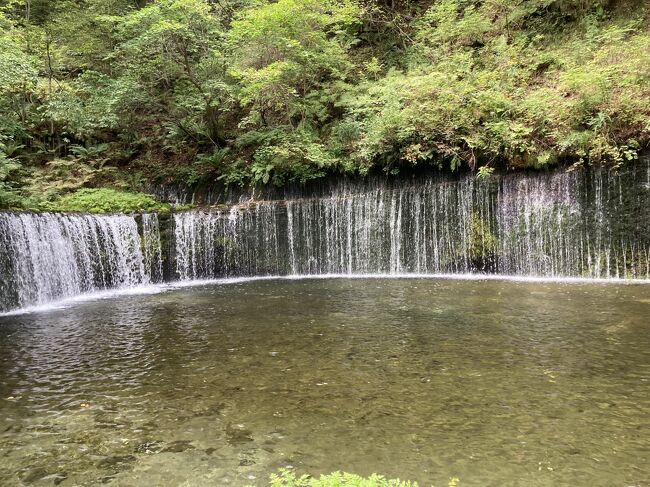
336	479
286	478
107	201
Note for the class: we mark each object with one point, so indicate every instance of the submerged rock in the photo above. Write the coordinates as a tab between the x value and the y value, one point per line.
33	474
56	479
117	462
178	446
238	435
149	446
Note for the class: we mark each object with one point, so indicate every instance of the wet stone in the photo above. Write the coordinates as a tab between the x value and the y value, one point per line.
149	447
56	479
117	462
13	428
178	446
238	435
246	462
214	410
33	474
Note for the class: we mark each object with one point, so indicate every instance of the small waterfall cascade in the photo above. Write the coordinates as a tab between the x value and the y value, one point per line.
44	257
152	252
235	242
583	223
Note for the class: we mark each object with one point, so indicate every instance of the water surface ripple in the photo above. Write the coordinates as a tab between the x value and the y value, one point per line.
495	382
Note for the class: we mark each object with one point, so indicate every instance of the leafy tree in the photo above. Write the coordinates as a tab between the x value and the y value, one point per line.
18	81
175	52
288	54
8	169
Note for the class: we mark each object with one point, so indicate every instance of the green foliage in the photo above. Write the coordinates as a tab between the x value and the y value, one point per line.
484	86
18	80
90	104
119	94
337	479
61	176
174	53
8	169
452	23
106	200
484	172
286	478
18	71
293	158
285	54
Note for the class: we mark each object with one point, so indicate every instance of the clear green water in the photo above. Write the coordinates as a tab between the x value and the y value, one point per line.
498	383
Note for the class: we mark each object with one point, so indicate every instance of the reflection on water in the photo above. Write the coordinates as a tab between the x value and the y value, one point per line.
498	383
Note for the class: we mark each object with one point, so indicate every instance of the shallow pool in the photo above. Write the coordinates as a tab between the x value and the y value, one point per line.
494	382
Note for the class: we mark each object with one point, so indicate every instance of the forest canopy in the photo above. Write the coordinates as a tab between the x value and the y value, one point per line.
125	93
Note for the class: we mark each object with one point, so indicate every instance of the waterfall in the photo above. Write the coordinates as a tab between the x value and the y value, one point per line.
232	242
44	257
152	253
583	223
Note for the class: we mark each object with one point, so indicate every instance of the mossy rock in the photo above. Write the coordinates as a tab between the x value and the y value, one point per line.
104	200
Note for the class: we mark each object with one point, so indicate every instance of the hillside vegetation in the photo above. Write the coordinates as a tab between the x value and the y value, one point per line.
121	93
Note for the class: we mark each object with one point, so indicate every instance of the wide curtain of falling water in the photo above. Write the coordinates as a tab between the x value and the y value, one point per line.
44	257
583	223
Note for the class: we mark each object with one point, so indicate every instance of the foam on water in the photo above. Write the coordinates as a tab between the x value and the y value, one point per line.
165	287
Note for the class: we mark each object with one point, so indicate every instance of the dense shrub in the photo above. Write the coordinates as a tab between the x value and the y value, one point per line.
108	94
107	201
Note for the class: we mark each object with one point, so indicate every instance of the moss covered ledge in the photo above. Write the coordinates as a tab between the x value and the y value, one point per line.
105	200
